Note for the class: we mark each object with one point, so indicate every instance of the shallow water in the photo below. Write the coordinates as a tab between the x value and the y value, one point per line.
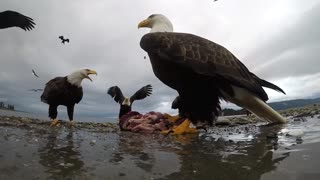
242	152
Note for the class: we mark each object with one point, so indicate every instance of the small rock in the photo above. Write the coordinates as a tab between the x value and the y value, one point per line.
299	140
272	136
194	171
69	165
224	122
92	142
295	133
304	114
246	167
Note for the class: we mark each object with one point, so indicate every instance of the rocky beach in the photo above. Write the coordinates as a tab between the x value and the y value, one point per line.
239	147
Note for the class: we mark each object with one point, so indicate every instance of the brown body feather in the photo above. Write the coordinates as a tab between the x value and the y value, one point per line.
59	91
199	70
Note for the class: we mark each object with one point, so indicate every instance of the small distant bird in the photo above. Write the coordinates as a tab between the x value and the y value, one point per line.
35	74
35	90
126	102
10	19
63	40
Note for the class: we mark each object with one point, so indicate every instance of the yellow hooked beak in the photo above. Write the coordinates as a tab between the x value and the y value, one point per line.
91	72
144	23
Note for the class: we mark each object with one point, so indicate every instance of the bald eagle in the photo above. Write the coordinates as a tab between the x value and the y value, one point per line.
66	91
125	102
10	19
203	73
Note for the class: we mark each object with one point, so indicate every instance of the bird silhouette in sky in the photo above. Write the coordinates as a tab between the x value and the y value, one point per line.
35	74
63	40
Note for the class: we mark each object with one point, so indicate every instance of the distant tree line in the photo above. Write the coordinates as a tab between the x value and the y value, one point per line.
230	112
9	106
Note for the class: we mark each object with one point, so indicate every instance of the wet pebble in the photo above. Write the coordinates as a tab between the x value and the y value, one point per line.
299	140
224	122
295	133
122	174
272	136
93	142
246	167
69	165
194	171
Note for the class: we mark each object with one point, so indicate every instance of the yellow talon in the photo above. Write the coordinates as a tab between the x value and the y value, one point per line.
70	123
54	122
183	128
171	118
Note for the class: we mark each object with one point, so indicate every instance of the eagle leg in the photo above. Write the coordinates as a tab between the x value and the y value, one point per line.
54	122
70	123
171	118
183	128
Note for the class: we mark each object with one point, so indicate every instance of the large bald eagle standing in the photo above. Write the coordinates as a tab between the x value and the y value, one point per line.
202	72
65	91
10	19
126	102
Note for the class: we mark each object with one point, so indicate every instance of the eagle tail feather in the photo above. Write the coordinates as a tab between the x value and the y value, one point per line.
245	99
263	110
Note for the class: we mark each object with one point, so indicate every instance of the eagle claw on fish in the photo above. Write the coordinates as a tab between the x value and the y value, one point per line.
183	128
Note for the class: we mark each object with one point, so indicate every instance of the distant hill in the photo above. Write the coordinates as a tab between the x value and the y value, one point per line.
281	105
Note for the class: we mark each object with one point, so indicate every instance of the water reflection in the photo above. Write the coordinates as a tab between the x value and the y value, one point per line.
241	152
144	156
60	156
227	159
134	147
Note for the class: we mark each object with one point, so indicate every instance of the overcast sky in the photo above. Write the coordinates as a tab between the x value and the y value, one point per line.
278	40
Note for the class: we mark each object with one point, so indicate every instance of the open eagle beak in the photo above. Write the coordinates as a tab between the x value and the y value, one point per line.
91	72
144	23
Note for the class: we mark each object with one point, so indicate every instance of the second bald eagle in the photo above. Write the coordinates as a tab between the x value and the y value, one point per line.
126	102
66	91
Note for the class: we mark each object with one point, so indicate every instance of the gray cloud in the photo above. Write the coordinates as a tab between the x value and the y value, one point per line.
276	40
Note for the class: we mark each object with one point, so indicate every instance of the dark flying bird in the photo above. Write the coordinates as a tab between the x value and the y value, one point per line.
203	72
35	74
66	91
63	40
35	90
10	19
126	102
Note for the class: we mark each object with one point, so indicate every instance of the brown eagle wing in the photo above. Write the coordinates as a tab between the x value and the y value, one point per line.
12	18
142	93
116	94
203	57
